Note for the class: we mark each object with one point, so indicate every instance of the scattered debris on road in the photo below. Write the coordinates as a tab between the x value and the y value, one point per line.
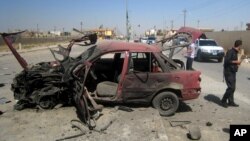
2	84
209	123
194	133
4	100
178	123
124	108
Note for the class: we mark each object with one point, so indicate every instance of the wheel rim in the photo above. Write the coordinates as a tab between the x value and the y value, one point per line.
167	103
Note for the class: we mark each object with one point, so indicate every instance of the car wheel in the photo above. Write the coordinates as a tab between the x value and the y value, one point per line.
166	103
47	102
199	58
220	60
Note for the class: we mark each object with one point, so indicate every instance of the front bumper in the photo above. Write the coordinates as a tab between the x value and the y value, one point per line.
212	55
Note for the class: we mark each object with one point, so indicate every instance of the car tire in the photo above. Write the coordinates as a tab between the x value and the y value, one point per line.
220	60
199	58
166	103
47	102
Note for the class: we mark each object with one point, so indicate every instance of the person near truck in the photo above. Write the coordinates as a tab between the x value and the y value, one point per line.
231	64
190	56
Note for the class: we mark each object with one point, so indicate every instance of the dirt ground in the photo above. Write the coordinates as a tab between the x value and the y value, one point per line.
205	110
143	123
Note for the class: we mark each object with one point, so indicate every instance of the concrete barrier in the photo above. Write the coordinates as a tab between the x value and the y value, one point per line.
226	39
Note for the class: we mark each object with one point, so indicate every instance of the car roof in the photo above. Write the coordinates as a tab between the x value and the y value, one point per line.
194	32
112	46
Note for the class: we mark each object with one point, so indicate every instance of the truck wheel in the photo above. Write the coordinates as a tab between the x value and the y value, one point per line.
220	60
199	58
166	103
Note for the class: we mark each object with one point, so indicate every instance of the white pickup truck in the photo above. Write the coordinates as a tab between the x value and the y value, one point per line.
208	49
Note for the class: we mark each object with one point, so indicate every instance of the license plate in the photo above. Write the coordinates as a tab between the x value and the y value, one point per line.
214	53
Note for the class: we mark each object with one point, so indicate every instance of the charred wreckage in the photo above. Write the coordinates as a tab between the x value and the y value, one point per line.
135	73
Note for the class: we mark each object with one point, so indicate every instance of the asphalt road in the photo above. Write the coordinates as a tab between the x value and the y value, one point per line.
215	70
211	68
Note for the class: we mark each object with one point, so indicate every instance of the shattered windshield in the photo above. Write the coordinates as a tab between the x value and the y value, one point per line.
90	53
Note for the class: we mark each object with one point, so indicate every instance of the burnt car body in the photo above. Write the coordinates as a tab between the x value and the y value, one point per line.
107	72
122	72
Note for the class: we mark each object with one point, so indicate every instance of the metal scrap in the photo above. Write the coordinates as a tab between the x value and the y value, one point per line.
2	84
4	100
178	123
194	133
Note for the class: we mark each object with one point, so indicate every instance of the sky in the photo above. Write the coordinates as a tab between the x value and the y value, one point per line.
66	14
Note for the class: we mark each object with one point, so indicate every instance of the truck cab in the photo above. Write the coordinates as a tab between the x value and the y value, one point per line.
208	49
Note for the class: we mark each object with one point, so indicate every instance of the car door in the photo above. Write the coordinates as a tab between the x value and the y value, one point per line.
141	79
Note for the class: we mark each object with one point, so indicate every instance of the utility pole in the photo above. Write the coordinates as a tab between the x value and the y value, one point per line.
127	22
241	25
184	13
55	31
81	26
172	25
37	30
198	24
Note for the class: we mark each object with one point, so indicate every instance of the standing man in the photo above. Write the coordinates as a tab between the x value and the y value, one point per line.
190	56
231	64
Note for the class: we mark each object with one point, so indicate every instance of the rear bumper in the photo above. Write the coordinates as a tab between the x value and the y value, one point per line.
190	94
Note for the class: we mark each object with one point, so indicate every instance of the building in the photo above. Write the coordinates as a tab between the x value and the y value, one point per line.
104	33
248	26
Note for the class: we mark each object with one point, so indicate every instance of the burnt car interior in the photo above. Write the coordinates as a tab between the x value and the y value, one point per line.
105	71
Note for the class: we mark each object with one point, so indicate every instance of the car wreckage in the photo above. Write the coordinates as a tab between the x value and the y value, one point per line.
106	72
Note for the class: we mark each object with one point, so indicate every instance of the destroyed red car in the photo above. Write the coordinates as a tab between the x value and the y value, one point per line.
122	72
108	72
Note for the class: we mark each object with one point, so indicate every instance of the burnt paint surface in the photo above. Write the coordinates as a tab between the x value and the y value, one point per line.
144	86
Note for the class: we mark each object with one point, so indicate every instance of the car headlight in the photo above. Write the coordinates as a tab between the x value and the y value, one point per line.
205	50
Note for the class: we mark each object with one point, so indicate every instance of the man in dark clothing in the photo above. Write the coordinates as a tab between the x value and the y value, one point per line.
231	64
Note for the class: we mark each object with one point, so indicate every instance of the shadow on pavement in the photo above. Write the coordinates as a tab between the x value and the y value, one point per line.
208	61
183	107
213	98
226	130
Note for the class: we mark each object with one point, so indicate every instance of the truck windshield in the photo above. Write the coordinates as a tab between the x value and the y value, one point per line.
151	38
207	43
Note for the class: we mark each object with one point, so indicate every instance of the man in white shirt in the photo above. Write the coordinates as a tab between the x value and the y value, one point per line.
190	56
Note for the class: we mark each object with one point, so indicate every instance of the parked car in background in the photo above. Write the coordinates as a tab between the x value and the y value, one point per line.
182	41
151	40
144	40
208	49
